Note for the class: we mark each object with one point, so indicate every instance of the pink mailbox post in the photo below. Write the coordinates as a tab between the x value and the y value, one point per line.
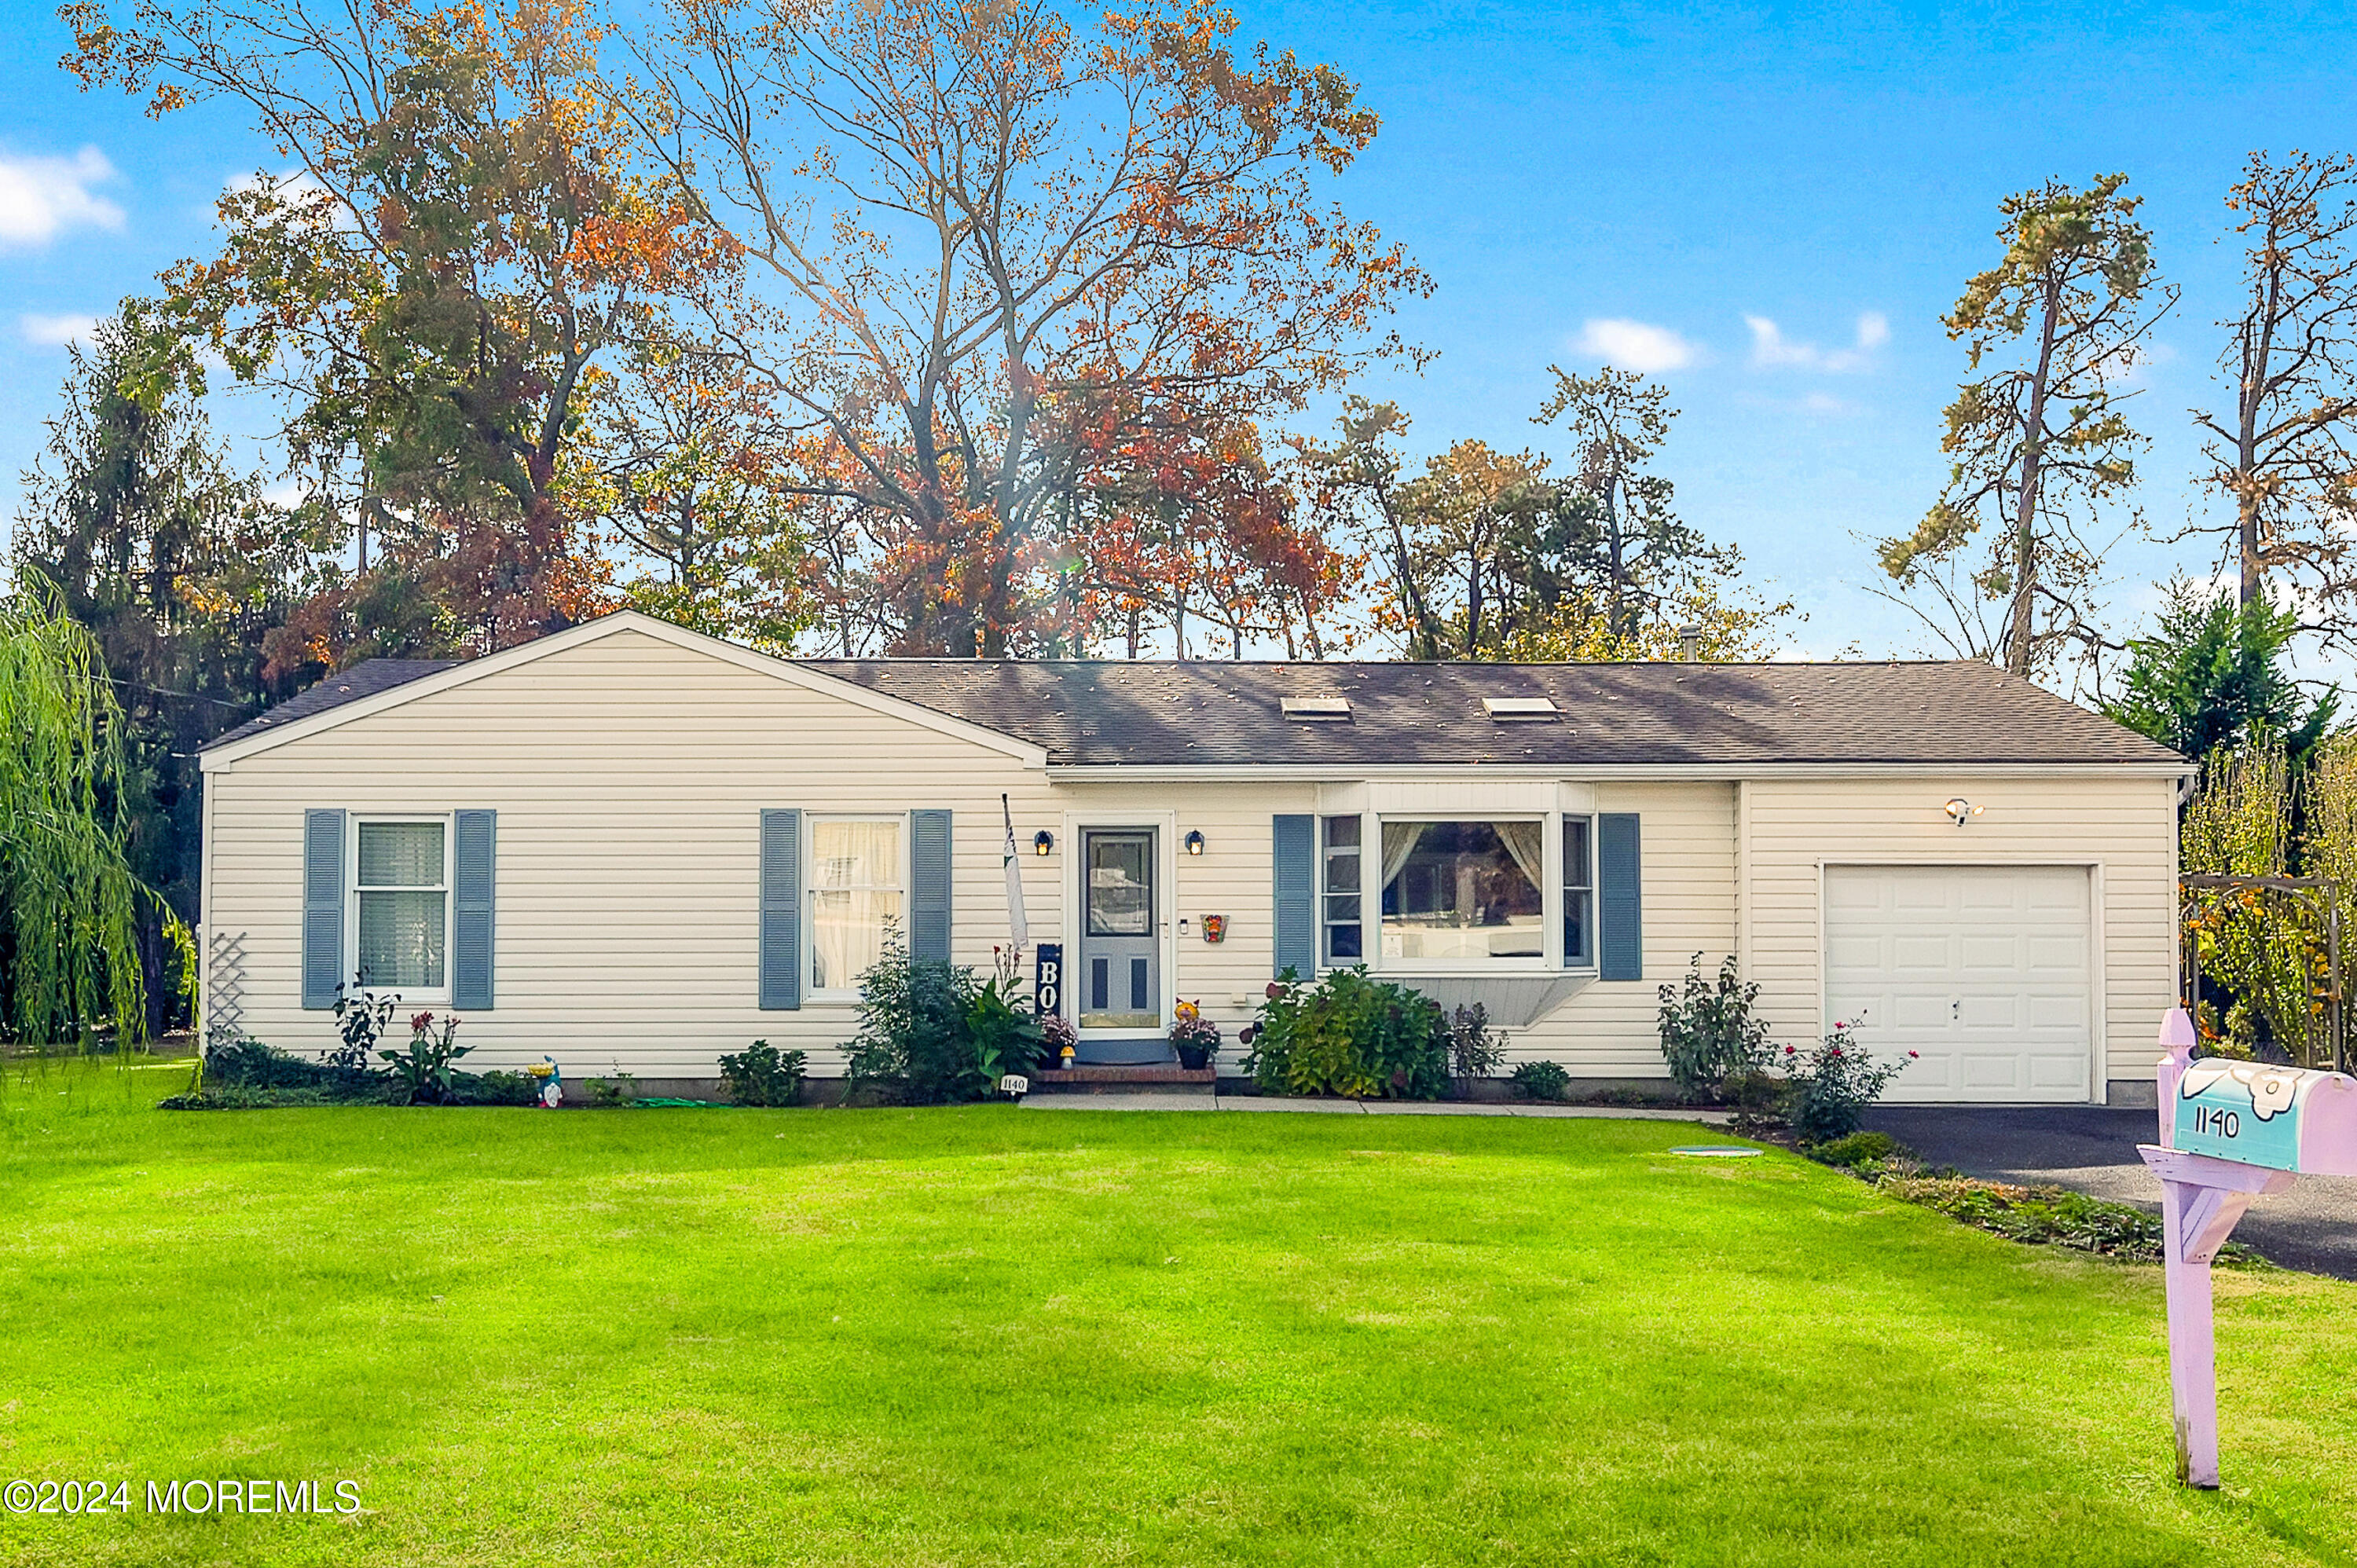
2229	1131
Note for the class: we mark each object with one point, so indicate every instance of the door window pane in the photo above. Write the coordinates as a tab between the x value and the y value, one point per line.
854	893
1120	888
1463	891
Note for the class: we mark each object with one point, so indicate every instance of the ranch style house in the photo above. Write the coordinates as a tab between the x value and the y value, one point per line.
633	848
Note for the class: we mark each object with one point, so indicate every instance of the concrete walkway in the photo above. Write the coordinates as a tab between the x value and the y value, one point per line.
1154	1101
2092	1149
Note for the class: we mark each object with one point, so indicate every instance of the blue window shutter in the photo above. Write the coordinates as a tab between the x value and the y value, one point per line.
1619	898
1294	847
323	906
781	911
929	887
474	855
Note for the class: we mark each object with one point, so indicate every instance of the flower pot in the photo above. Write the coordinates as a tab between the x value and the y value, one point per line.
1194	1058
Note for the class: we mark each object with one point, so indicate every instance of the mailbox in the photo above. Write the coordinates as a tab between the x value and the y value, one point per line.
2278	1118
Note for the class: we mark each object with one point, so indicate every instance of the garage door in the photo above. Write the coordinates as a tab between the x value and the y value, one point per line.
1983	969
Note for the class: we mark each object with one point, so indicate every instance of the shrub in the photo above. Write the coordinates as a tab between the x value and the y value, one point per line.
250	1067
930	1036
762	1075
1541	1080
361	1018
1708	1035
620	1093
1860	1149
2048	1216
1826	1090
421	1075
495	1089
1349	1035
1474	1051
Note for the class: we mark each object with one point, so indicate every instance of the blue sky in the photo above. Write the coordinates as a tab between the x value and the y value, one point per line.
1686	173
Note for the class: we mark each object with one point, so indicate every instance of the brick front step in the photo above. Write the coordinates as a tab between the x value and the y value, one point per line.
1094	1079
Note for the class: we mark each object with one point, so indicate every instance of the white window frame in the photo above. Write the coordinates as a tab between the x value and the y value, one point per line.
352	890
1563	896
1550	956
1325	857
809	891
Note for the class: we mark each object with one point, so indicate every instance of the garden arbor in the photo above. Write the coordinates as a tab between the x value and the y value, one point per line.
2272	943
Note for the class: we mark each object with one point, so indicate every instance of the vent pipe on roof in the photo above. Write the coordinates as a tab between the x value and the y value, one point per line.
1690	643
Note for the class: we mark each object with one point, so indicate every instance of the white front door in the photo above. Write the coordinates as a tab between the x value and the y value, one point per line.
1984	970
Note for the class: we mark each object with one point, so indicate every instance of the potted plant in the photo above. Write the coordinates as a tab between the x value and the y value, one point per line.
1194	1036
1056	1032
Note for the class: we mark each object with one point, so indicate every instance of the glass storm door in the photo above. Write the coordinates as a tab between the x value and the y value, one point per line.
1120	971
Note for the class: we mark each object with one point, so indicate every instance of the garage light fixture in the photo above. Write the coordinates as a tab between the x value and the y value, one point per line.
1042	841
1961	810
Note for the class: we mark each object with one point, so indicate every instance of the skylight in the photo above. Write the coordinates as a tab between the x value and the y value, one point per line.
1519	710
1313	710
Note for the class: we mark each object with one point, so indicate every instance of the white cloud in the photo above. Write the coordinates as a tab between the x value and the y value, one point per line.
56	331
297	189
39	197
1771	349
1635	346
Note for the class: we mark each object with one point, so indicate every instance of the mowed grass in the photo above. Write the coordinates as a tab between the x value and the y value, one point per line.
997	1336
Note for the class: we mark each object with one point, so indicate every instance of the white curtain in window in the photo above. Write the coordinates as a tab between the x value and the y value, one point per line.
1526	841
1399	843
854	892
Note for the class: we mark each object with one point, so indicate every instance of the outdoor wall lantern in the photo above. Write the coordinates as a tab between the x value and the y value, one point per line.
1042	841
1194	841
1961	810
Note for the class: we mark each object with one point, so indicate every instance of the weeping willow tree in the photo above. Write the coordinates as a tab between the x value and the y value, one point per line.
69	902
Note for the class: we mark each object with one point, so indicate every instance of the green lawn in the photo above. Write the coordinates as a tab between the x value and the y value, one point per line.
994	1335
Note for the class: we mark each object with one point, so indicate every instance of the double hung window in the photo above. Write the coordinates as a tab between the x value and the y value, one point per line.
1578	892
401	900
1341	919
857	883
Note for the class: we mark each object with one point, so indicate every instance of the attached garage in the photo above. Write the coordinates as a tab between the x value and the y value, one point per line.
1989	972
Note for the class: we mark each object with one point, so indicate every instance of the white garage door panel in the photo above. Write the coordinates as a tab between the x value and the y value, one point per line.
1983	970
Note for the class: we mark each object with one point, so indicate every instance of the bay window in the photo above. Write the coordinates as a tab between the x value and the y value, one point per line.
1464	892
857	877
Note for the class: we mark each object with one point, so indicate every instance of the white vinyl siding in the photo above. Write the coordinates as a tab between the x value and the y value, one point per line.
631	772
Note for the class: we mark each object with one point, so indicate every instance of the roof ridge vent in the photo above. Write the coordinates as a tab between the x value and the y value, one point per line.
1327	708
1521	710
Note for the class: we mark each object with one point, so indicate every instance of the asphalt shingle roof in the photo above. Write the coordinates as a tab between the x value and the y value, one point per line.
365	679
1219	713
1216	712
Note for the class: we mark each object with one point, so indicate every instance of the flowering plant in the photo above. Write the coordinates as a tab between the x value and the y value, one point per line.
1194	1036
1828	1087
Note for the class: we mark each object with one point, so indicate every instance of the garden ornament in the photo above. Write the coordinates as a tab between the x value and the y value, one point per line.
551	1087
2229	1131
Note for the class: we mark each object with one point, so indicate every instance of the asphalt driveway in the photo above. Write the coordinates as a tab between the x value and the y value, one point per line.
2094	1150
